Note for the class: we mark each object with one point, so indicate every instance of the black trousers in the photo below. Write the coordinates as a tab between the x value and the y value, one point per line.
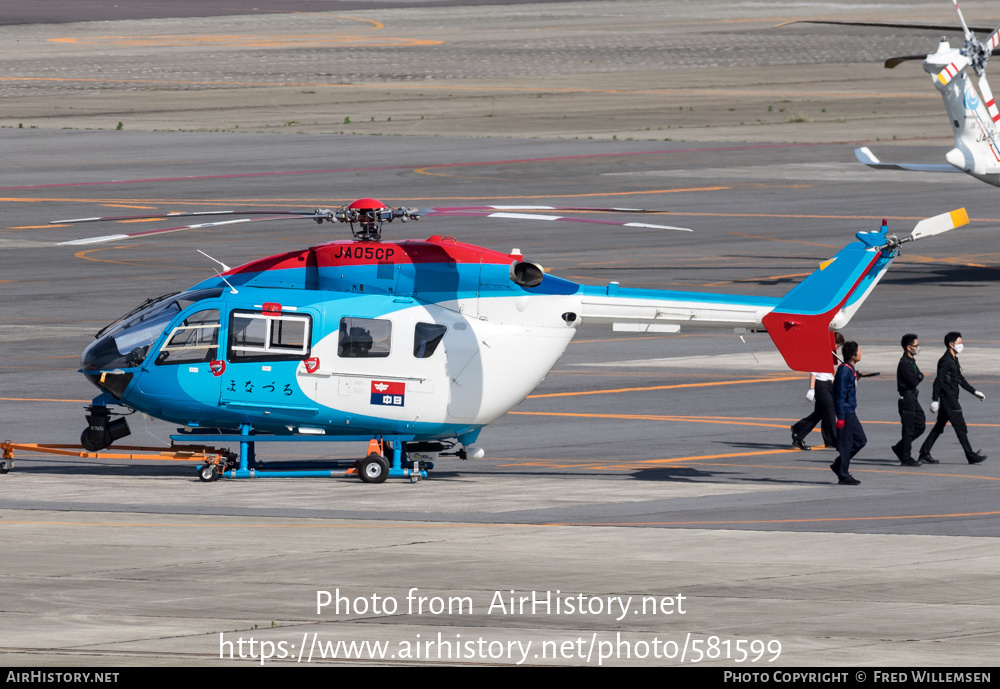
913	420
823	414
950	411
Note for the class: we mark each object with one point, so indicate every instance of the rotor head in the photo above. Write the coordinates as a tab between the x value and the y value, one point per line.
368	214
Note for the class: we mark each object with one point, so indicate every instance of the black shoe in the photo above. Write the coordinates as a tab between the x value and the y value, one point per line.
849	481
899	455
909	462
977	458
799	444
927	459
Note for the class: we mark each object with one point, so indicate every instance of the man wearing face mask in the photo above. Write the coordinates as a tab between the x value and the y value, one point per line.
945	401
908	377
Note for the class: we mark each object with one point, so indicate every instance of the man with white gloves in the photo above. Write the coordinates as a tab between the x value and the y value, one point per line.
945	402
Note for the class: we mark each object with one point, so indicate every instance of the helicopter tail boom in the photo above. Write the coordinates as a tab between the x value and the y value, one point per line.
801	323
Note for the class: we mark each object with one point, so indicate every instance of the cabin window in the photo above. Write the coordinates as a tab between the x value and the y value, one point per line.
195	340
364	338
426	339
267	337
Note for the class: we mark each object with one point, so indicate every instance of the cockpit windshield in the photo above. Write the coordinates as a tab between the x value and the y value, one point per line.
125	343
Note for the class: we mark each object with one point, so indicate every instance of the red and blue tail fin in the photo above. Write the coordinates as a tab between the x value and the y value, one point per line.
801	324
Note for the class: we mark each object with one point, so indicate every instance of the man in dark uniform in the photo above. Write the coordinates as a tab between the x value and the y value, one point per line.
949	378
908	377
850	435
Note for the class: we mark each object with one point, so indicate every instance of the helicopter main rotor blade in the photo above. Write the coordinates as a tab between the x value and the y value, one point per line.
991	106
147	233
900	59
953	70
450	209
968	33
186	214
531	216
885	25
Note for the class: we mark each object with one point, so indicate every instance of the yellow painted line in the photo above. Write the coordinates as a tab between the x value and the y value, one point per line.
761	279
681	462
663	387
855	469
646	462
735	420
788	241
141	262
648	417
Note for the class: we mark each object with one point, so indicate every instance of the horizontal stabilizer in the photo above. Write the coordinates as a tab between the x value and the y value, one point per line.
865	156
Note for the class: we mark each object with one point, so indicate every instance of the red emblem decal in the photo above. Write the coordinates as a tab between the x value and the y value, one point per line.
312	364
388	393
218	367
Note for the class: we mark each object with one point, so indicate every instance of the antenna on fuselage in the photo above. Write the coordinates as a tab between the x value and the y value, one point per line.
232	290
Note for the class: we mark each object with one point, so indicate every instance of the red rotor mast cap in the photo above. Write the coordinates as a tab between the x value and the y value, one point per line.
367	205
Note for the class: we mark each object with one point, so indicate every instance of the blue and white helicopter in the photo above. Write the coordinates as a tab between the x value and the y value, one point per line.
972	110
415	344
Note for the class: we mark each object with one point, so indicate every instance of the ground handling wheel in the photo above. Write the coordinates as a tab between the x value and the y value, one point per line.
374	469
208	472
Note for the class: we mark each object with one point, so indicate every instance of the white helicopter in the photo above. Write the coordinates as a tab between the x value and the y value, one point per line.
973	116
414	345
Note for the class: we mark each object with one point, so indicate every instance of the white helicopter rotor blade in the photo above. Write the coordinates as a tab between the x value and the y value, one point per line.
993	41
532	216
147	233
991	106
939	224
965	27
185	214
588	209
953	70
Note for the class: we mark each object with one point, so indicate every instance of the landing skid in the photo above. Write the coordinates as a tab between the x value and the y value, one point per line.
375	468
387	457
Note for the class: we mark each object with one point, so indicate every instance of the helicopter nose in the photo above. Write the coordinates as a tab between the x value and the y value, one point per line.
112	382
102	363
113	351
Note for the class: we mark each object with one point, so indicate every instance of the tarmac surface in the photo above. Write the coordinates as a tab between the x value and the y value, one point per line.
652	467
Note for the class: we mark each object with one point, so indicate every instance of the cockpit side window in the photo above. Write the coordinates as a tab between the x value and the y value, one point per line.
195	340
364	338
426	338
268	337
126	342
